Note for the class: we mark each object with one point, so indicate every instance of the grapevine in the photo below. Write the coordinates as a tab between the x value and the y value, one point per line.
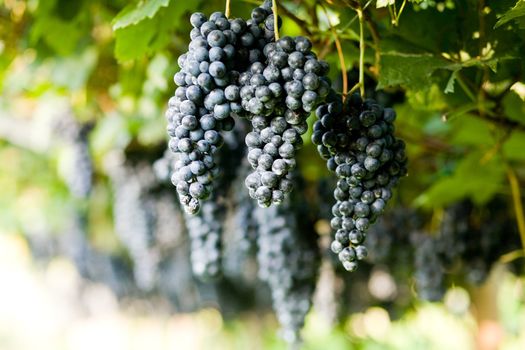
274	163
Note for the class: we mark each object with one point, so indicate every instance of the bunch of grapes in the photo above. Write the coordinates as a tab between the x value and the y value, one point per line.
472	239
134	216
279	94
235	68
357	140
462	250
92	264
240	228
288	262
429	268
206	227
205	232
80	181
168	220
78	171
208	96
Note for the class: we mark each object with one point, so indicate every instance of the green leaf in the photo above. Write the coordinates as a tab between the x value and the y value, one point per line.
134	41
472	178
60	35
134	14
514	107
151	34
429	99
450	84
469	130
514	147
411	70
516	12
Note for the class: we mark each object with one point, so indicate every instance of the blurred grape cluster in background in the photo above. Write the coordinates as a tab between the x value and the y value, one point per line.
95	251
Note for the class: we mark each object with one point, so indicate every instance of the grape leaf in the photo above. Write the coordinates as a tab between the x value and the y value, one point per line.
410	70
469	130
150	34
514	146
133	41
49	27
513	14
472	178
134	14
514	107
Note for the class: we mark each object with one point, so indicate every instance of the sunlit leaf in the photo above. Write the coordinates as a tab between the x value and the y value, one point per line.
135	13
472	178
514	13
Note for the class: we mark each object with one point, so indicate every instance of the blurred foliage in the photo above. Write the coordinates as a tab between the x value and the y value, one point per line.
457	65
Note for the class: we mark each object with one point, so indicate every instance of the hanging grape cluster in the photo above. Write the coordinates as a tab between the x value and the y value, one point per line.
78	168
288	262
357	140
236	73
207	97
279	94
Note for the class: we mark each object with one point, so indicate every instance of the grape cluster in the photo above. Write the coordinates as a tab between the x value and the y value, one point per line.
205	231
429	268
206	227
240	228
134	216
80	181
243	216
78	171
208	96
288	263
357	140
472	239
279	94
92	264
168	221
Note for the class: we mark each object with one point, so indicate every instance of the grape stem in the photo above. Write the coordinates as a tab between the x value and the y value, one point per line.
342	62
394	14
361	52
518	207
465	87
354	88
275	20
511	256
227	10
356	16
375	38
340	53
